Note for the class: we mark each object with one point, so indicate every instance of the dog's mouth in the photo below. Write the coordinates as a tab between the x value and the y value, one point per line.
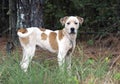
72	33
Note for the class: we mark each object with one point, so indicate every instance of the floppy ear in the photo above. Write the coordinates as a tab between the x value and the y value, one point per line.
63	20
81	20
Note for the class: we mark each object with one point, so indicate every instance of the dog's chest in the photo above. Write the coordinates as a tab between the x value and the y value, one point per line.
67	43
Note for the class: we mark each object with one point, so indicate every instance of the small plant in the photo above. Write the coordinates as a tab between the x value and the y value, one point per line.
116	76
90	42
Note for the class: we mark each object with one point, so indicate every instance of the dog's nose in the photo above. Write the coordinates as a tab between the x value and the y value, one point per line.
72	30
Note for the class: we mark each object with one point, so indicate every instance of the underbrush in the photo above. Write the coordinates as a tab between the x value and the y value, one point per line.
83	71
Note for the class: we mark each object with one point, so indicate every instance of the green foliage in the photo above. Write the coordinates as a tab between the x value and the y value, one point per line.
99	15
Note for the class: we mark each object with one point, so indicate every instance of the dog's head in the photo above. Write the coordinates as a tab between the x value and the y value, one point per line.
71	23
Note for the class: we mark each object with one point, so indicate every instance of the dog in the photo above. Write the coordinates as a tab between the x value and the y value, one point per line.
62	42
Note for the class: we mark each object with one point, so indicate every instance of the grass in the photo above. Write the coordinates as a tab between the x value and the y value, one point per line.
83	72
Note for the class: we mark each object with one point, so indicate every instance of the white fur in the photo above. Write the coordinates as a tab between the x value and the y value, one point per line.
64	45
26	34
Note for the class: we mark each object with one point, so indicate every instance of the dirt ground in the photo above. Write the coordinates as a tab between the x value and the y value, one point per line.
108	46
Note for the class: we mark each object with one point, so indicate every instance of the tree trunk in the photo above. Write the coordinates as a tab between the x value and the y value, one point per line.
36	13
12	19
12	26
29	13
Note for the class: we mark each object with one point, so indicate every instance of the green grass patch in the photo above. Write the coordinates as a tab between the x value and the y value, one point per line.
83	72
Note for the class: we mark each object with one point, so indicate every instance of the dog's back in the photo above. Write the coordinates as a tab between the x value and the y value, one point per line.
45	38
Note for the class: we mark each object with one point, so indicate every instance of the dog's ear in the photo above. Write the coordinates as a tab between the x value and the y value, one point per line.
63	20
80	19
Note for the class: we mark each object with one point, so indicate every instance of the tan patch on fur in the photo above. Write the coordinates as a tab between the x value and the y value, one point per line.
60	34
80	19
53	40
23	30
43	36
24	40
42	29
63	20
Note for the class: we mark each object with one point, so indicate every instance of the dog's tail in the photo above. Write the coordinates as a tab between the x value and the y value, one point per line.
22	32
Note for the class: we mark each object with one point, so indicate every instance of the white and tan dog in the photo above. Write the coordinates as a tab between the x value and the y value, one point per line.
61	42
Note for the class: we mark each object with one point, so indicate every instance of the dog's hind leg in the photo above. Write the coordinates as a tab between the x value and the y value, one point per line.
28	53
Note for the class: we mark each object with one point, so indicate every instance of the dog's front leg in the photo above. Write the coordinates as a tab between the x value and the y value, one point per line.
68	62
68	58
61	58
64	61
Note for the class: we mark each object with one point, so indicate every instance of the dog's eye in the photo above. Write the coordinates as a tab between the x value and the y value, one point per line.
76	23
68	23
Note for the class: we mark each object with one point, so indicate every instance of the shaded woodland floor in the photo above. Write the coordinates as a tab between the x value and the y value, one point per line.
104	47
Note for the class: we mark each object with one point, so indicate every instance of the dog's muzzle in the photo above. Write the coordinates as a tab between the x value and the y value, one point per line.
72	31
